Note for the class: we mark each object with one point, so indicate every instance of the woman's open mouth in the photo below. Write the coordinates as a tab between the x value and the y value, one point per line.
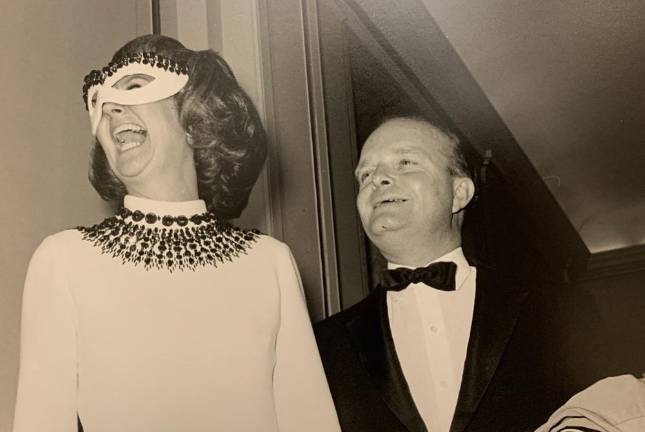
128	136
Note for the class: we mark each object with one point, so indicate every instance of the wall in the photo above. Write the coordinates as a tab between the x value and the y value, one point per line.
47	48
621	303
231	29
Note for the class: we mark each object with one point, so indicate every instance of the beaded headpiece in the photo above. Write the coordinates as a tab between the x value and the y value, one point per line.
168	78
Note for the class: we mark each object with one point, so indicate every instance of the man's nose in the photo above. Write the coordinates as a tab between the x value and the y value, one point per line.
381	177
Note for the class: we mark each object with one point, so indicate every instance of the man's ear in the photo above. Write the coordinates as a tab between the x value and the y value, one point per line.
463	190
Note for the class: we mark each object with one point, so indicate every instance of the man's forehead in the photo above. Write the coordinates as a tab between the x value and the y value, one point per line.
399	144
407	129
404	136
373	155
376	149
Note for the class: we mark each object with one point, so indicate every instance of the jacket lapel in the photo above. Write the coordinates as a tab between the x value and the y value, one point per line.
495	314
371	335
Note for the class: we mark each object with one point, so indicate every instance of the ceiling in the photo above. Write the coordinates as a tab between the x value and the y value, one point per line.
568	79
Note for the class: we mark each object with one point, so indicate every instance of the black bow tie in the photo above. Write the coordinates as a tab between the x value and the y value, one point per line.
439	275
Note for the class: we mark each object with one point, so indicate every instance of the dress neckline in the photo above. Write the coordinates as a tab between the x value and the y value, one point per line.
163	208
168	235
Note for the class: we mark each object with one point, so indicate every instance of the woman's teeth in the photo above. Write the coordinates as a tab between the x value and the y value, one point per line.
128	146
129	137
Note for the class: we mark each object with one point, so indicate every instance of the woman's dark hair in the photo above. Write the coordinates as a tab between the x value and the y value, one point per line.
228	140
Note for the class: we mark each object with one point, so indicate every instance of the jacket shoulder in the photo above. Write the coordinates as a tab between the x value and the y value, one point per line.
344	315
329	330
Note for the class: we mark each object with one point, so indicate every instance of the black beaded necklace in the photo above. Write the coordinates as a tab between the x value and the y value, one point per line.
198	240
167	220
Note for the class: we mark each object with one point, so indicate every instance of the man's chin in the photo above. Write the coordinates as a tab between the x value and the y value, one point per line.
384	225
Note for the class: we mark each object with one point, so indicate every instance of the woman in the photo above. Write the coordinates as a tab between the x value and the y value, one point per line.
163	317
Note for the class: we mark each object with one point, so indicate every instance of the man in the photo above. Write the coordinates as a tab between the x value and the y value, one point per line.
452	348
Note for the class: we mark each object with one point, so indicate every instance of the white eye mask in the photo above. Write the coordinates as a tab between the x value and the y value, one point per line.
164	83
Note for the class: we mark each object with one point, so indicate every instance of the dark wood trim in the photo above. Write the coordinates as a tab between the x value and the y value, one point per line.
414	43
293	152
336	110
615	263
156	17
320	147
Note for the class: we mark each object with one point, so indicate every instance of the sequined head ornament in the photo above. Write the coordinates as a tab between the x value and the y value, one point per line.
165	78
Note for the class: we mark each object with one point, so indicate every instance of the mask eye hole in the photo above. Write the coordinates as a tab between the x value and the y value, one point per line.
132	82
93	100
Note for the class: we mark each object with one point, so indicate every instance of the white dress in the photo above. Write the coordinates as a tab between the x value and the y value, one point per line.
128	345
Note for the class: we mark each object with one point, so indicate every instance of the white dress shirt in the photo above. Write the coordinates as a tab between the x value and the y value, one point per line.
431	329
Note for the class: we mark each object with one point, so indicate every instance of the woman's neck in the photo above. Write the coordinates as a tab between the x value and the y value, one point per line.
185	190
166	185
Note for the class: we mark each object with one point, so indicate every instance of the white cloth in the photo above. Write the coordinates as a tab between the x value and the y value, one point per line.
228	348
615	404
431	329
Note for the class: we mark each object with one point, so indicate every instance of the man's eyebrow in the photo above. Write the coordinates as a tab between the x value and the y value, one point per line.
408	150
362	164
359	167
398	151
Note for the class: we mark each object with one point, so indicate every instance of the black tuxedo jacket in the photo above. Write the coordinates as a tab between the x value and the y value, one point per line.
522	361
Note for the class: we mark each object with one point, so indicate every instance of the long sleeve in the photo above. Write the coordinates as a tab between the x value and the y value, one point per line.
302	398
612	404
46	398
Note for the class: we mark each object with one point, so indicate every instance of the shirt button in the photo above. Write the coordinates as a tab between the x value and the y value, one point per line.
434	329
443	383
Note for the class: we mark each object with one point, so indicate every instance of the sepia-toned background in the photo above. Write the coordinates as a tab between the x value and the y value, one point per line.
548	97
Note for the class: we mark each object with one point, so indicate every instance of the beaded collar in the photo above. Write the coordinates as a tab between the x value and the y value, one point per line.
180	243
